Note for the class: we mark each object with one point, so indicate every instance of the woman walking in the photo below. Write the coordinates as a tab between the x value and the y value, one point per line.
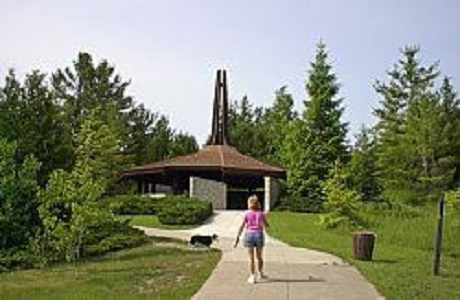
255	222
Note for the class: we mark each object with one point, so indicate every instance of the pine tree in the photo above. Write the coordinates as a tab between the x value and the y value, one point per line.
363	170
30	117
86	86
450	105
183	143
277	120
248	132
18	202
321	135
412	131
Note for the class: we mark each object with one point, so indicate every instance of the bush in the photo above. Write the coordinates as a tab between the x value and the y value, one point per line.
342	202
299	204
131	205
403	196
180	210
112	236
14	259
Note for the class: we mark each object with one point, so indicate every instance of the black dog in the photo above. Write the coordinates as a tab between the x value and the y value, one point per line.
205	240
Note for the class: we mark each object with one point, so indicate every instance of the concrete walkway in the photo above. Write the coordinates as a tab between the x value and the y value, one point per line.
293	273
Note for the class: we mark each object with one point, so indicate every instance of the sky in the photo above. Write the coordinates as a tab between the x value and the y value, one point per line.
170	49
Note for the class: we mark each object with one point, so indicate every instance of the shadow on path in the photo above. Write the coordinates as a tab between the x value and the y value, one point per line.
310	279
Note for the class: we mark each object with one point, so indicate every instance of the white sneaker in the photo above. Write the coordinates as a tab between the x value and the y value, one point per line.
261	276
251	279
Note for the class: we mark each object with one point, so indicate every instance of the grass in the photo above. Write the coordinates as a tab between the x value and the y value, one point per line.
152	221
403	256
163	269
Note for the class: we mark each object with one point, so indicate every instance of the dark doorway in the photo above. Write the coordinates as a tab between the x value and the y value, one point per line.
238	200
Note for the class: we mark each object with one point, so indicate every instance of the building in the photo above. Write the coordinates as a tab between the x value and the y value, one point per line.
217	173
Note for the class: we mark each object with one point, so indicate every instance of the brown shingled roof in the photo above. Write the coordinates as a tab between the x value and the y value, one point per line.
222	158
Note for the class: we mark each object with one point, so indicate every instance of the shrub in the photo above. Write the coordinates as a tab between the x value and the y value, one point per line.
299	204
14	259
131	205
180	210
112	236
342	202
408	196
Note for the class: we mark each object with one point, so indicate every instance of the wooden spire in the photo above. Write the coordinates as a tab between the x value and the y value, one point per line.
219	134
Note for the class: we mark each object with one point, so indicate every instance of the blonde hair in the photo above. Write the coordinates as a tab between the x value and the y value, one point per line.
253	203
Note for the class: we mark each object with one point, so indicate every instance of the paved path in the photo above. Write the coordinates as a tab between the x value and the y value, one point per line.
294	273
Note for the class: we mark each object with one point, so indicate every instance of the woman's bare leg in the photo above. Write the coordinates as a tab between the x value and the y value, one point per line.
251	264
260	259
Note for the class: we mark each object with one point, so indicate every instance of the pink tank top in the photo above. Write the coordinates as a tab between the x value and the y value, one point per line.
254	220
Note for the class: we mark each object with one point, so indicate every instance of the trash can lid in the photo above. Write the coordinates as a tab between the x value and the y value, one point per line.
365	232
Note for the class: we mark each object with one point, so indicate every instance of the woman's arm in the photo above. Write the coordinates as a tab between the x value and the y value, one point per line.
240	231
266	224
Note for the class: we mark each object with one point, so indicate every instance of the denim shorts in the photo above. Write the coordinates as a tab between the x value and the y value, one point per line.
254	239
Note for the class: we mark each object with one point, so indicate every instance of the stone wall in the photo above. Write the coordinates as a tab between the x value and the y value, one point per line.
209	190
272	189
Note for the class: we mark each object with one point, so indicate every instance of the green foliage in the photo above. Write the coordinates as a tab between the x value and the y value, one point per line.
68	209
30	117
18	187
277	120
99	150
180	210
247	129
69	203
298	204
111	235
165	143
153	222
11	259
363	170
342	202
86	86
319	139
132	204
417	130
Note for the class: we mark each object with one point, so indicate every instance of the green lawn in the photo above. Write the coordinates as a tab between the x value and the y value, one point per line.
163	269
152	221
403	257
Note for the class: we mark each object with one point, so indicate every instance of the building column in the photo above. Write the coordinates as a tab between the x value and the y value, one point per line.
271	192
267	193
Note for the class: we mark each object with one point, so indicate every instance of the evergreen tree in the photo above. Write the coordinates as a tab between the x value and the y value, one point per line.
412	131
18	202
278	119
450	104
86	86
11	108
31	118
182	144
161	140
140	132
363	170
248	132
321	135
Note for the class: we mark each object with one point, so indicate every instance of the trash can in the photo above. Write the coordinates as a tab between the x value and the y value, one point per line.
363	245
